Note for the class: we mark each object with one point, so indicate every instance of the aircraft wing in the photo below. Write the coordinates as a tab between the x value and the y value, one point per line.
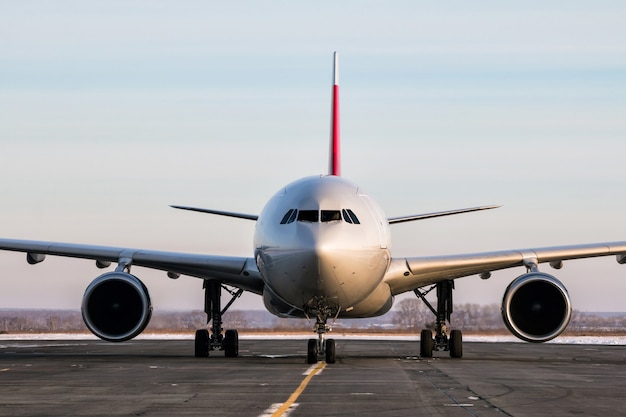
236	271
407	274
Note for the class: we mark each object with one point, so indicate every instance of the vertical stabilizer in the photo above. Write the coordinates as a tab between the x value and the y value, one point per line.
334	165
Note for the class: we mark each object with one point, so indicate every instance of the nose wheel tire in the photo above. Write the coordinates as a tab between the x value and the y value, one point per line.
330	351
312	351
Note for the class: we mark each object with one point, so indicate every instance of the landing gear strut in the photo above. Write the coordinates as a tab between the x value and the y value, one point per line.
453	343
205	341
321	348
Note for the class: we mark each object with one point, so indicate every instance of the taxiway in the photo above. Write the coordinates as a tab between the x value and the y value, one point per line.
371	378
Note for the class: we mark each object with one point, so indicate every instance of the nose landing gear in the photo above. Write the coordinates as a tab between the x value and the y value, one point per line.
321	348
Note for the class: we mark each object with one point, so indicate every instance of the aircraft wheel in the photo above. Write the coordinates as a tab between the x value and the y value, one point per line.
426	344
456	344
312	351
330	351
202	343
231	343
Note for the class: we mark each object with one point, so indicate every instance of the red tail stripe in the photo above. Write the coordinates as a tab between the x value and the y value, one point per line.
334	161
334	168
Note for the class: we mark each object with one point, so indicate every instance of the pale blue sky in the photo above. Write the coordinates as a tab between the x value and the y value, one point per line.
110	111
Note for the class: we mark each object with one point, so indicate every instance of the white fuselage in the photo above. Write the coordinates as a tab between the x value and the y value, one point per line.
322	244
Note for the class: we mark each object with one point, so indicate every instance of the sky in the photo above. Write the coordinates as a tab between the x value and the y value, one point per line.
110	111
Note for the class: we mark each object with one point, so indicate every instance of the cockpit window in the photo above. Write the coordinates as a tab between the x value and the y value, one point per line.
286	217
314	216
308	216
350	217
292	218
289	217
331	215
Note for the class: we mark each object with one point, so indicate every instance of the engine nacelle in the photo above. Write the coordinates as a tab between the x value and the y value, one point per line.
116	306
536	307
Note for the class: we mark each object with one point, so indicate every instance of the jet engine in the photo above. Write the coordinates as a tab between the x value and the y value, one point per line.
536	307
116	306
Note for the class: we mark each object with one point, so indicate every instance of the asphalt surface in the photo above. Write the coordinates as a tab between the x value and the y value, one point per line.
370	378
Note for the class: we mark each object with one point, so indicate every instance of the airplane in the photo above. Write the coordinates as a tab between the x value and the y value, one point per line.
322	252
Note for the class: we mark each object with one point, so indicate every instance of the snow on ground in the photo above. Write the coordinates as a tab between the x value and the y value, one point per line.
581	340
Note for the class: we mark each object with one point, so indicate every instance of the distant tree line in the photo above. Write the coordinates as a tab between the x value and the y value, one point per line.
413	314
408	316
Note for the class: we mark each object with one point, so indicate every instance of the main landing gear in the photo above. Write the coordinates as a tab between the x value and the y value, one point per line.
321	348
229	341
453	343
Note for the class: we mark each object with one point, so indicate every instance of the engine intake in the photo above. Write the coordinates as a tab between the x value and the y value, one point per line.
536	307
116	306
